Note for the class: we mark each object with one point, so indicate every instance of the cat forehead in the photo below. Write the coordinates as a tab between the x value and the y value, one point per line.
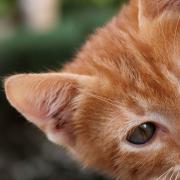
136	119
148	98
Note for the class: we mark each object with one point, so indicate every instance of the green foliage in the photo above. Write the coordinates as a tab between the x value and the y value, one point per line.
93	2
71	4
28	51
7	7
79	19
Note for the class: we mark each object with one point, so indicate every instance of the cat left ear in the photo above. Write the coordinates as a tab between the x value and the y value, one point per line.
47	100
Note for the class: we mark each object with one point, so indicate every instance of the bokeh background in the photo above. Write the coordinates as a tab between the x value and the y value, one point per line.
35	36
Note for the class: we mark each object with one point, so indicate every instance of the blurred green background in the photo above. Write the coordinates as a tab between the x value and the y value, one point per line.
25	154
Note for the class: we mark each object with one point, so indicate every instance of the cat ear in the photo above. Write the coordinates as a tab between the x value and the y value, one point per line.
150	9
47	100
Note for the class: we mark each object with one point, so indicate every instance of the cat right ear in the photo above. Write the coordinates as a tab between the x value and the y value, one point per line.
47	100
150	9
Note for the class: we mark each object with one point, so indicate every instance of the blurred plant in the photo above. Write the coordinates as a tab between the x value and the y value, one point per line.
7	7
40	15
94	2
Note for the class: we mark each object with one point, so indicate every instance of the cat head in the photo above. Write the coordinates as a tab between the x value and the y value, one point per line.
117	105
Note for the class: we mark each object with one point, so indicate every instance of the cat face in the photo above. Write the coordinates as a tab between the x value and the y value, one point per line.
117	105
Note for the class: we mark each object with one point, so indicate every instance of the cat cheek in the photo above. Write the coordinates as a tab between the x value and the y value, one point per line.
60	138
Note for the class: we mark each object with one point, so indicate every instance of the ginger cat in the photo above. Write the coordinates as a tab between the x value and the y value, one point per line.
116	106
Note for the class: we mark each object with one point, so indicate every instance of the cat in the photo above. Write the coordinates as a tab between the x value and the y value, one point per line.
116	106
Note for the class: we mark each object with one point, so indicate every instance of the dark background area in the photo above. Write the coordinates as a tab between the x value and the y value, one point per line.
25	153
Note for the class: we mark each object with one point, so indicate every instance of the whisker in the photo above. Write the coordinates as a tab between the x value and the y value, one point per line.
177	175
169	173
106	100
172	175
166	172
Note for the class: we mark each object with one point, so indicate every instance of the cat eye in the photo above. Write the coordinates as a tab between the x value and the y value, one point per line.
142	134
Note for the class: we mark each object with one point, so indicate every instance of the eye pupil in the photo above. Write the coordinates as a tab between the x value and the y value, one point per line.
142	134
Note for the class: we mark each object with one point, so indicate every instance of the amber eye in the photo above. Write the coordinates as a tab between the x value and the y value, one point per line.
142	134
